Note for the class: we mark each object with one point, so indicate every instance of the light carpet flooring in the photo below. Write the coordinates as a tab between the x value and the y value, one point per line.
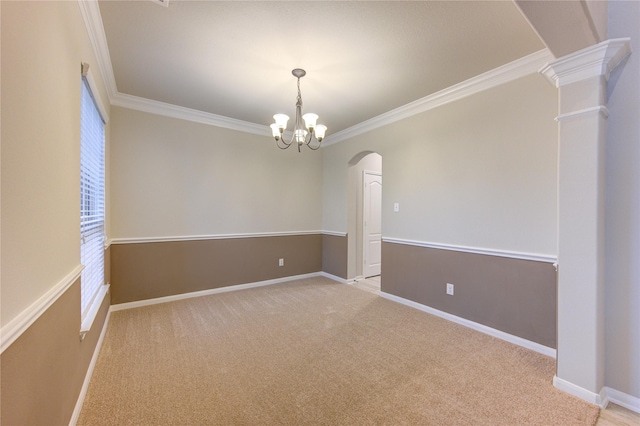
315	352
371	284
613	415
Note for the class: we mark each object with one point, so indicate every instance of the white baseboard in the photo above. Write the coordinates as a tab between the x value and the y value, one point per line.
599	399
544	350
622	399
147	302
87	377
333	277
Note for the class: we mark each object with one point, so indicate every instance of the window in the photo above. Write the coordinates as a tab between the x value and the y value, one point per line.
92	206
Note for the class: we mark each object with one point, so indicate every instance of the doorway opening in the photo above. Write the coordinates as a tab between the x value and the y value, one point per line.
364	223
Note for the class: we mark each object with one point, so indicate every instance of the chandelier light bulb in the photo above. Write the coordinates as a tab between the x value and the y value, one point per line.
320	130
310	120
276	131
281	120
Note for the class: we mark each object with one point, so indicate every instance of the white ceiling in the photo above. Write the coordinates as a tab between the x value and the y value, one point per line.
363	58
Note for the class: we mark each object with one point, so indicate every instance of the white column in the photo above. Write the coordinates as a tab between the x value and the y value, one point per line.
582	82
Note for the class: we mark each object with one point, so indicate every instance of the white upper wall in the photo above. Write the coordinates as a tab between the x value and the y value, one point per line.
479	172
176	178
43	44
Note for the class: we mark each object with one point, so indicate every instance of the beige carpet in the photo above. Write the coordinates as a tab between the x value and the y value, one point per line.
315	352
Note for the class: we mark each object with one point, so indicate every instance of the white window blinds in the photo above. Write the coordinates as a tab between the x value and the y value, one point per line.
91	198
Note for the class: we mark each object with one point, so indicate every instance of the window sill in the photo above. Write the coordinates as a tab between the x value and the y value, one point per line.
85	327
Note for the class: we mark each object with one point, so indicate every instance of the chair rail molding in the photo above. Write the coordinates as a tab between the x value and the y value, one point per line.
18	325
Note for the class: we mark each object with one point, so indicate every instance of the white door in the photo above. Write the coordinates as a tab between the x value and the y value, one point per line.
372	226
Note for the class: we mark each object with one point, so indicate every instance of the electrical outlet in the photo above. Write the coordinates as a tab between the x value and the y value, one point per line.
450	289
280	262
396	207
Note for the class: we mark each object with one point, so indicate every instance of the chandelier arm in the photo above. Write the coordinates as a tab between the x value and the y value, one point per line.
311	138
286	145
312	148
293	138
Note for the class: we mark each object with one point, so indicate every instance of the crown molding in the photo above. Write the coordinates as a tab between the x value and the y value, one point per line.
593	61
529	64
90	11
188	114
93	22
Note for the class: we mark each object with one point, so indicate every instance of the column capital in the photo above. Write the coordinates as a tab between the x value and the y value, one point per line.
597	60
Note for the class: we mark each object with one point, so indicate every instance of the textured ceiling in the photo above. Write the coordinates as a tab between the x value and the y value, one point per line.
234	58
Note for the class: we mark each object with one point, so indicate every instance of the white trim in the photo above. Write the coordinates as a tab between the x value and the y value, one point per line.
547	258
209	237
188	114
599	399
503	74
95	29
93	22
335	233
544	350
593	61
519	68
107	243
95	94
93	310
334	277
600	109
87	377
18	325
603	399
164	3
622	399
147	302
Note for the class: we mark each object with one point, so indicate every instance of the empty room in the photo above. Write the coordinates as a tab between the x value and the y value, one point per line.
320	212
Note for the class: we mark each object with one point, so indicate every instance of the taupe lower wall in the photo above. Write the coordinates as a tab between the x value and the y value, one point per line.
334	255
42	372
143	271
515	296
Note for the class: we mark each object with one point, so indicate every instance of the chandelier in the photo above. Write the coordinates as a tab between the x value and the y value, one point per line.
302	134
